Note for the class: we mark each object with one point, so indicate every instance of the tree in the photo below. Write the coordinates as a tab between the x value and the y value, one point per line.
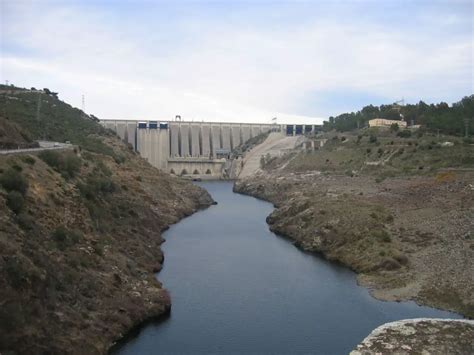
394	127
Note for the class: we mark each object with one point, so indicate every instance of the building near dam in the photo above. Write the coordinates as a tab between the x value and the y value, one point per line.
382	122
199	149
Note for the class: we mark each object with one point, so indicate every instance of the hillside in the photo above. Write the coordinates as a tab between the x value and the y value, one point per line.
398	211
80	233
441	117
13	137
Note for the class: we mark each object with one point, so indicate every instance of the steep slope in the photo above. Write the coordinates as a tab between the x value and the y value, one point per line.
80	235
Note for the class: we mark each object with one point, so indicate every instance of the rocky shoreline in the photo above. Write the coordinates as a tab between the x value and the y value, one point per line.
406	238
420	336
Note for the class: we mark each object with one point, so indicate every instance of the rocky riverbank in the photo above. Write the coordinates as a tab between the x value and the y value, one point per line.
420	336
80	231
407	238
78	256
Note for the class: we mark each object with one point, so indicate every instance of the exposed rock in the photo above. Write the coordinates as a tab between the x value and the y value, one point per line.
420	336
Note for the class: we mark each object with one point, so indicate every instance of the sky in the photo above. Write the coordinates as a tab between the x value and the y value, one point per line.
240	61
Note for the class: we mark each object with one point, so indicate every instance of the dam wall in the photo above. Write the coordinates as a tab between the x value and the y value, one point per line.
192	148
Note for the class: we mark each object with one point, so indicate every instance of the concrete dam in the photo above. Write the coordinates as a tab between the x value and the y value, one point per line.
200	149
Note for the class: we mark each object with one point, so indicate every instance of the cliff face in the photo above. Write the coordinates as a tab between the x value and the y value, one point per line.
80	235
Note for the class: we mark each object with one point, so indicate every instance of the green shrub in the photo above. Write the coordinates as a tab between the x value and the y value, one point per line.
72	165
29	160
119	159
394	127
17	274
25	221
379	179
404	134
12	180
101	168
65	238
17	167
381	235
67	164
372	138
50	157
15	201
96	186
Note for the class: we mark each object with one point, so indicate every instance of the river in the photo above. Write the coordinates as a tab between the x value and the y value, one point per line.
238	288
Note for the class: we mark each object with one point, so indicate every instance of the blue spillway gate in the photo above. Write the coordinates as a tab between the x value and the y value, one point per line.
289	130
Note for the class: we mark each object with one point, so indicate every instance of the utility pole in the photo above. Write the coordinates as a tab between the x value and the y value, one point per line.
38	112
5	106
38	107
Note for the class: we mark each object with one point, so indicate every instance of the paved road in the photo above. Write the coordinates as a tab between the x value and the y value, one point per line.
44	145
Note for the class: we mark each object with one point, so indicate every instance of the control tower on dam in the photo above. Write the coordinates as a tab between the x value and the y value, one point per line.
192	148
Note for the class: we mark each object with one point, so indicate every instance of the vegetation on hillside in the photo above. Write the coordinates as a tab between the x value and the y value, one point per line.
57	120
79	232
447	119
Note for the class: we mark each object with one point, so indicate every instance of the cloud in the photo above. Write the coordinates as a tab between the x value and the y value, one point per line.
248	64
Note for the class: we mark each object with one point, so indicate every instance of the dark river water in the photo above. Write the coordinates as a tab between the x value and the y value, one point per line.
237	288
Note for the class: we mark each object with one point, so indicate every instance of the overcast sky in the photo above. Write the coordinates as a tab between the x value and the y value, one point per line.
239	60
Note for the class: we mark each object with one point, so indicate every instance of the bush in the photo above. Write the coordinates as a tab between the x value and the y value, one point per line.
17	167
373	138
17	275
96	186
15	201
382	235
50	157
29	160
65	238
25	221
67	164
404	134
12	180
72	165
394	127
